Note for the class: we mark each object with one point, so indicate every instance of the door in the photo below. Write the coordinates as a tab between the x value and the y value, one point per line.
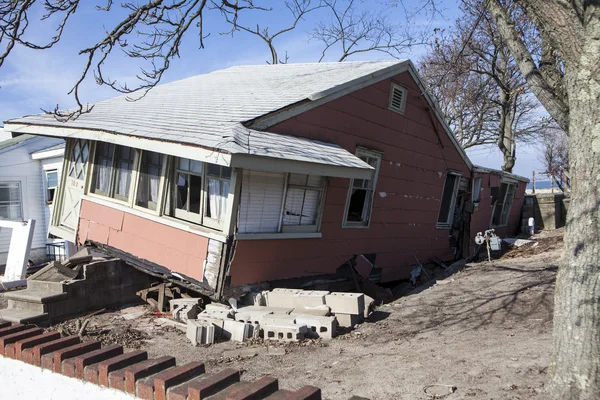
76	157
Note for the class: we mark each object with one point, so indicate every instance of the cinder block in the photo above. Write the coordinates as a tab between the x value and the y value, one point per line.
217	307
237	331
346	303
274	319
252	317
317	326
268	310
217	323
284	332
220	314
200	332
322	310
310	298
174	303
282	298
348	320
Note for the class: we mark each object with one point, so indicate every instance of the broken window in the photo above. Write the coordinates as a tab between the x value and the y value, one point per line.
502	203
113	166
51	185
150	172
302	203
476	190
10	201
448	200
194	181
361	192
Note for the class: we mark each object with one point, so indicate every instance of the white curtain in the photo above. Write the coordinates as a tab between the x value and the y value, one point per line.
124	179
154	176
103	177
217	198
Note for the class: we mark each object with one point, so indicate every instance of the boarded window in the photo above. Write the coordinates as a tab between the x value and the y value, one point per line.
302	203
361	192
261	200
448	200
10	201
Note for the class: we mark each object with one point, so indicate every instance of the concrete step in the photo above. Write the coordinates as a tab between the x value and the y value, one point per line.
49	287
22	316
34	296
26	306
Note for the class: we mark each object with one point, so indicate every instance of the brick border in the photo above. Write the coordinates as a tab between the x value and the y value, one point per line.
133	372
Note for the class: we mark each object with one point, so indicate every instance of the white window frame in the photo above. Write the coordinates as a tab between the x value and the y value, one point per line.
395	86
476	191
504	221
450	219
21	199
366	219
303	228
110	195
48	187
161	185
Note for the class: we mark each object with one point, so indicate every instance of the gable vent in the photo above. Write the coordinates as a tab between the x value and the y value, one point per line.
398	98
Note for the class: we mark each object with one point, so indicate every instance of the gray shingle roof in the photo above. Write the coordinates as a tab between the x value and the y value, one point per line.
207	110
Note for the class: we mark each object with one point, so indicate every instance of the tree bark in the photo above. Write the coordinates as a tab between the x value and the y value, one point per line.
575	366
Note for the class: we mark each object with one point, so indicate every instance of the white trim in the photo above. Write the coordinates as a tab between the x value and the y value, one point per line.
448	223
280	165
393	87
165	220
280	235
508	176
43	154
170	148
374	175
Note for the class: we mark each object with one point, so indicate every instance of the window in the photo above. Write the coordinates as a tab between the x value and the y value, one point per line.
150	172
398	95
272	202
195	181
502	204
476	190
302	201
10	201
361	192
51	185
113	166
448	200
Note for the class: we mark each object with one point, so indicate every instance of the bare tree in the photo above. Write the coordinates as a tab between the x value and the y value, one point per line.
481	91
297	8
554	156
356	31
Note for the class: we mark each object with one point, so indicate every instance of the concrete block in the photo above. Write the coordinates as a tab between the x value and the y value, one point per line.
322	310
369	304
268	309
284	332
238	331
274	319
200	332
217	307
174	303
310	298
346	303
185	312
220	314
319	327
282	298
252	317
349	320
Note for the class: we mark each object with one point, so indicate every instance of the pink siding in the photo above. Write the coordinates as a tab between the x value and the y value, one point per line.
407	199
482	215
178	250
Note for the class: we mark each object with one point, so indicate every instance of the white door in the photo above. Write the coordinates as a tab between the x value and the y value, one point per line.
77	156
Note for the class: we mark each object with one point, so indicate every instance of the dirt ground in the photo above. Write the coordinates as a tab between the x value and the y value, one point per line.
485	331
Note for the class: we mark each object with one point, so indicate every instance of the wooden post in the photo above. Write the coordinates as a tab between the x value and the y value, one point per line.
533	183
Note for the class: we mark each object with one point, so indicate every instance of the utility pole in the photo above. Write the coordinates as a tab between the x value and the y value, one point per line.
533	183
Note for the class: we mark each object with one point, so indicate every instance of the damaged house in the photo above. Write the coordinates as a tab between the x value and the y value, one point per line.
263	173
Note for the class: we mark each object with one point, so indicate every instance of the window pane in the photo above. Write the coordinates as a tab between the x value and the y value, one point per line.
10	201
184	164
196	166
226	172
123	168
195	193
52	179
311	207
149	181
213	170
315	181
358	202
447	198
298	179
182	191
102	168
293	206
216	198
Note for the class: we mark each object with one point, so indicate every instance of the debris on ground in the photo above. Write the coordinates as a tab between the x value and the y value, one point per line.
540	246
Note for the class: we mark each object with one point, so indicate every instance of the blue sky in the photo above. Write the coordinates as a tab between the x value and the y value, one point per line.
34	80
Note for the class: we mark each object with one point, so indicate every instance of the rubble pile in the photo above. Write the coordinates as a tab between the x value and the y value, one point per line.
287	315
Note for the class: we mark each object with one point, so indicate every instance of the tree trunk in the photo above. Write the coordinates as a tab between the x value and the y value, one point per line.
575	366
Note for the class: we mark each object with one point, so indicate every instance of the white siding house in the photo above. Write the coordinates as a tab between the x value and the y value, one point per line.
30	167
